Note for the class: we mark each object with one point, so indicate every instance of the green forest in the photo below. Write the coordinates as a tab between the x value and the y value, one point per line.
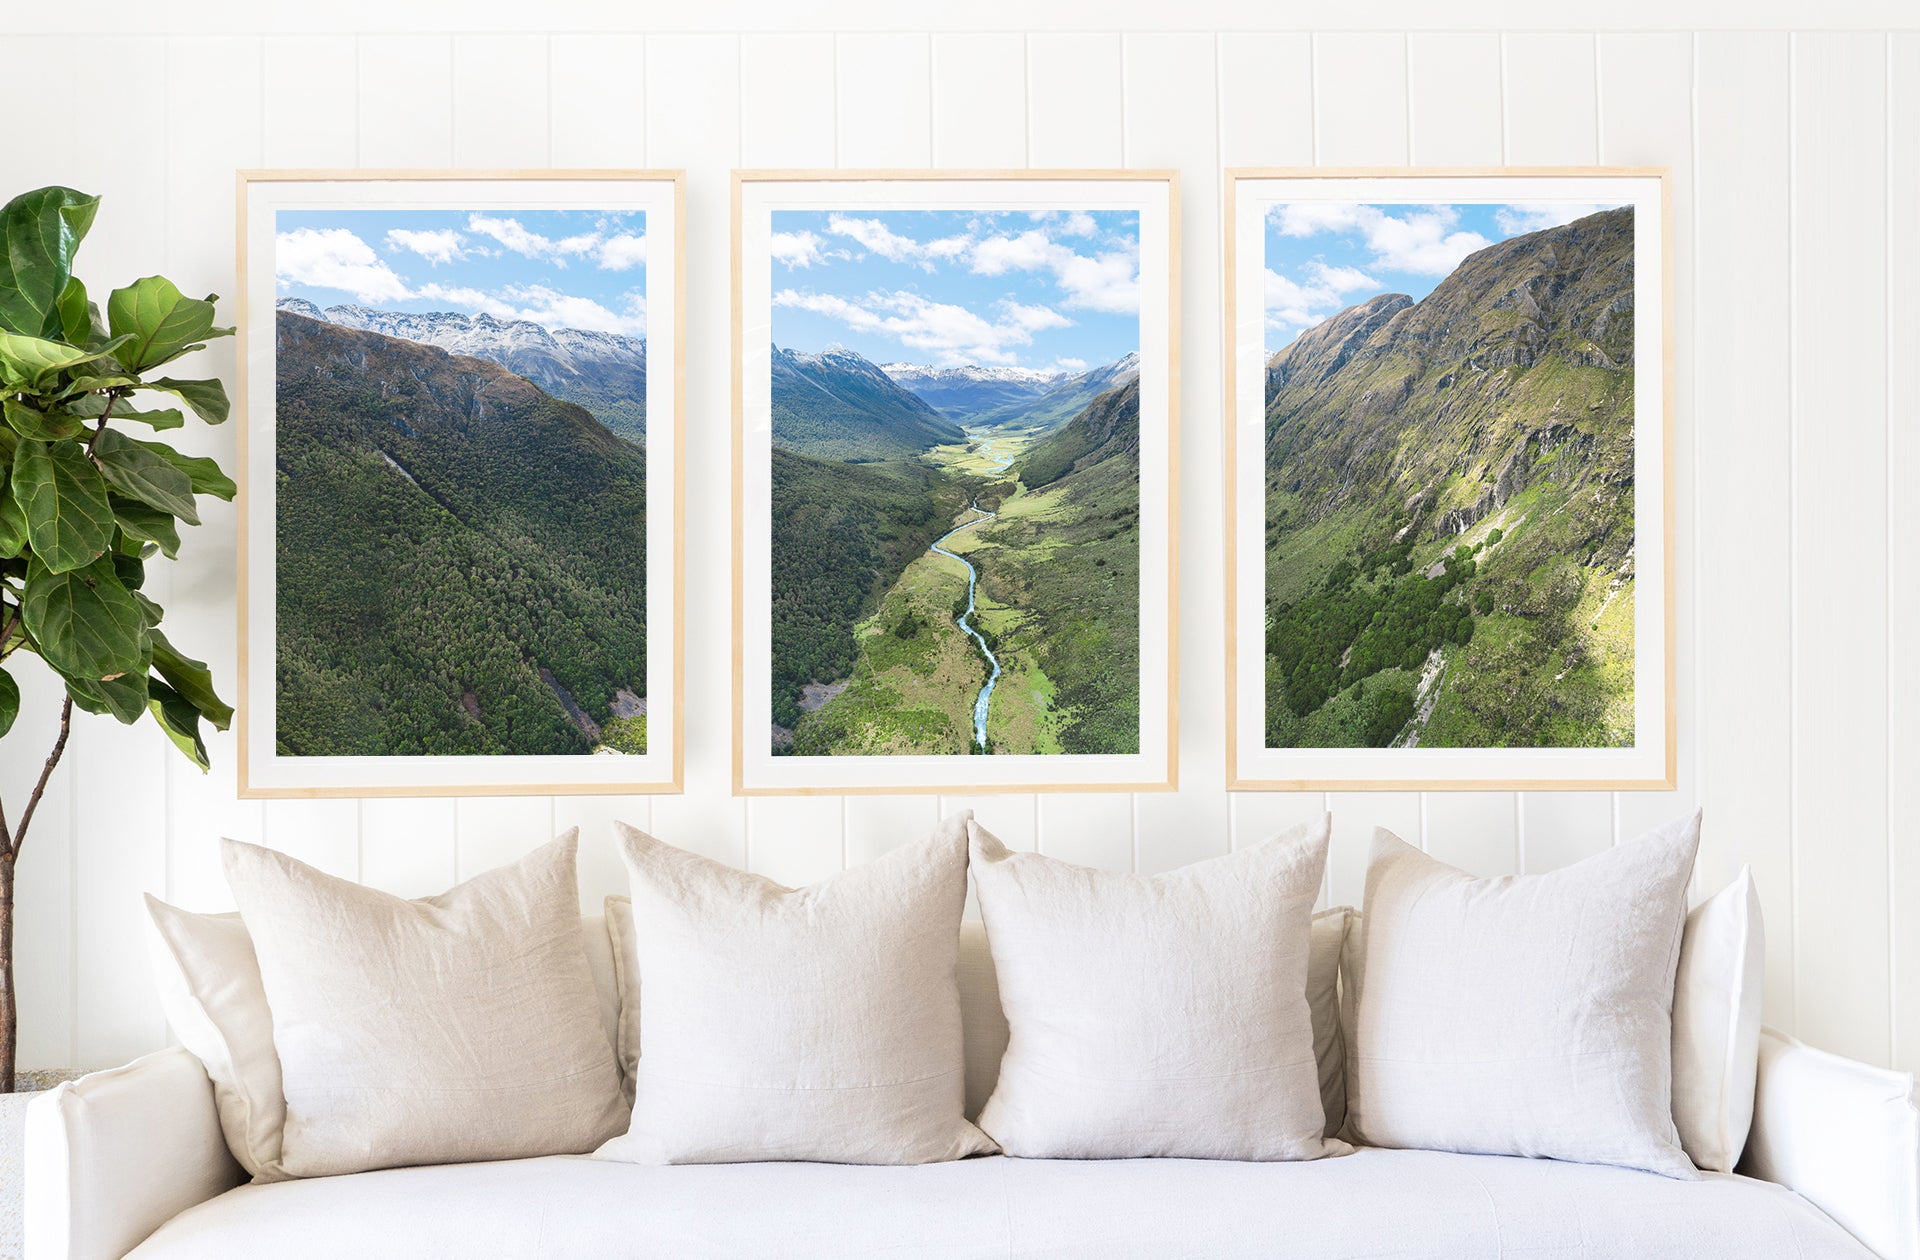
461	558
1450	507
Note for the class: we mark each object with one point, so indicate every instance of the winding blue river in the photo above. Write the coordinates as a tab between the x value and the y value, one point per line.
965	619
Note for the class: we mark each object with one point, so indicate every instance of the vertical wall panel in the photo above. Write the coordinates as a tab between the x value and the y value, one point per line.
1476	831
1360	119
1075	106
1090	830
1266	99
1548	119
409	846
1839	550
1903	547
796	840
321	833
1177	131
500	101
1360	99
1453	99
599	100
603	872
877	824
1646	119
885	101
406	101
494	831
705	139
786	100
1743	346
311	105
979	101
1014	820
1551	105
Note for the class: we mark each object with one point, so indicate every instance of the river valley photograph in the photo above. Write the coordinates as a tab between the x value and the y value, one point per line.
460	483
955	523
1449	490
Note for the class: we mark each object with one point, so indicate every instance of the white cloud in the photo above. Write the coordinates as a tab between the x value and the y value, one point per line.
622	253
1420	240
877	238
546	306
1537	216
441	246
513	235
795	249
335	258
1108	281
1070	364
1341	280
948	335
1293	304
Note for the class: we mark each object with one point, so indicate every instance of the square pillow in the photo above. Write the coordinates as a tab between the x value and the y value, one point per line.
1716	1024
450	1029
819	1023
1156	1015
1523	1015
210	989
1326	943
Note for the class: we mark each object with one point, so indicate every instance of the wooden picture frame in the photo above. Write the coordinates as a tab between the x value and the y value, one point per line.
875	750
466	685
1287	712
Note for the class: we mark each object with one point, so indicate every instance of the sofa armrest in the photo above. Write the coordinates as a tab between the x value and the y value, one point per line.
113	1156
1842	1135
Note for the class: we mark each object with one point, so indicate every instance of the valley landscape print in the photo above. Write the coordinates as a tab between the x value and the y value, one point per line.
1449	475
460	482
955	549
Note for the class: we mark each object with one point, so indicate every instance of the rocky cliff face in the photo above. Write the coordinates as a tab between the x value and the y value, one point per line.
1518	366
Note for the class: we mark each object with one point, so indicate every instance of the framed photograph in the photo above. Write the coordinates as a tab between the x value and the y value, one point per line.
461	489
955	460
1449	509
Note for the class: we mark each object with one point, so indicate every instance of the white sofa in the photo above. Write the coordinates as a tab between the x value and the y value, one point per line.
131	1163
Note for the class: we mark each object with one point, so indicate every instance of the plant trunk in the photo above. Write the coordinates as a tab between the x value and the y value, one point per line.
9	1007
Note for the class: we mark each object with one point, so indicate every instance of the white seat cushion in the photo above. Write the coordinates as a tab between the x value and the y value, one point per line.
1373	1203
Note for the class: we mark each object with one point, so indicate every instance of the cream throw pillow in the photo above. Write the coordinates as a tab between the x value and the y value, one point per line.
820	1023
1326	943
454	1028
1716	1024
1525	1015
1156	1015
210	989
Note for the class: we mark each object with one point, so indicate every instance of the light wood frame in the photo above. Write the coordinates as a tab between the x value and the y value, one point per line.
1233	176
244	179
1171	178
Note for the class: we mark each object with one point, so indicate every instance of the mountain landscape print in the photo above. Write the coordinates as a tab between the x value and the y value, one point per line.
955	481
460	482
1449	480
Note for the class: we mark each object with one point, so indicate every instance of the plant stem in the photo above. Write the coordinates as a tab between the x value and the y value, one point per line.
113	396
10	843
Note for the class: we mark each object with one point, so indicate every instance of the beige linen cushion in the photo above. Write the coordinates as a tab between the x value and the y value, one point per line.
210	989
1156	1015
454	1028
1326	944
1524	1015
1716	1024
820	1023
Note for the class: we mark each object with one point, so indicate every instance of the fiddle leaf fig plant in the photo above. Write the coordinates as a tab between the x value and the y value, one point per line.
86	505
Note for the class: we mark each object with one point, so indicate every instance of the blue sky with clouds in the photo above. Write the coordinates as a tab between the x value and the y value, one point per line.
1050	289
557	268
1325	256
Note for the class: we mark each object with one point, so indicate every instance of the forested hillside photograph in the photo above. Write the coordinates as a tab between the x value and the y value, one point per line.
460	483
1449	490
955	483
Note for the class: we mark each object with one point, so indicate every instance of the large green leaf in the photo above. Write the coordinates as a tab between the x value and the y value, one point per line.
79	319
146	524
45	426
207	398
27	363
166	418
180	720
192	679
140	474
202	470
159	322
83	621
39	233
124	697
9	701
68	519
13	526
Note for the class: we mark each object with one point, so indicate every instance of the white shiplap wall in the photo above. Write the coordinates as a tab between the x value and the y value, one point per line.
1797	459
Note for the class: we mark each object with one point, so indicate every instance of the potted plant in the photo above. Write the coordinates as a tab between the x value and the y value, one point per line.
86	506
